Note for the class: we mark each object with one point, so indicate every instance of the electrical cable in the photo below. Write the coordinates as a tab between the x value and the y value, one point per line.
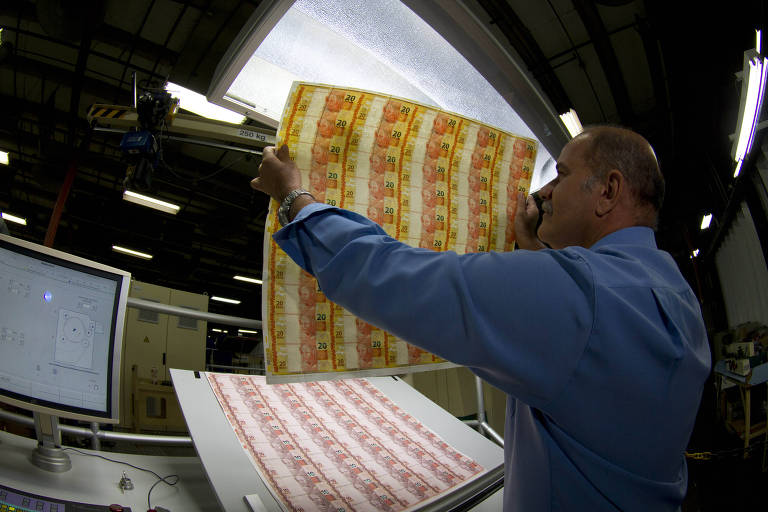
194	180
163	479
160	158
214	173
149	87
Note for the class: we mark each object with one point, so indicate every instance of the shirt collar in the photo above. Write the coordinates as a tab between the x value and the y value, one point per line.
636	235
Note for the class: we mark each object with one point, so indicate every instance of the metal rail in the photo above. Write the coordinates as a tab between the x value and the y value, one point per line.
480	423
237	321
96	435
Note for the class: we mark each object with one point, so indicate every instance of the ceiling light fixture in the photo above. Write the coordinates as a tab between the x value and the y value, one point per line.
13	218
571	121
246	331
217	330
249	279
752	91
197	103
405	57
758	40
4	158
695	253
705	221
151	202
223	299
131	252
738	169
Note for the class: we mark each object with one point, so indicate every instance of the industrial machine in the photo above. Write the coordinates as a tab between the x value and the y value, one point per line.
155	118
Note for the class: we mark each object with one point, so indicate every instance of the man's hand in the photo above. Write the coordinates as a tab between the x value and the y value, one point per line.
526	217
278	175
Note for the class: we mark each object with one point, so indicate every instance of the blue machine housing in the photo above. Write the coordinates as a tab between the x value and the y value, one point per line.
138	143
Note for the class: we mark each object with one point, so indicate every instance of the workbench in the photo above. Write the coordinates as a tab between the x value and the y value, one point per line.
758	376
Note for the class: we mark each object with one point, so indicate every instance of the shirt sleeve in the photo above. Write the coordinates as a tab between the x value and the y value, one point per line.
521	319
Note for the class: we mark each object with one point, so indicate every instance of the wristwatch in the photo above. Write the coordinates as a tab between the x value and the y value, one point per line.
285	206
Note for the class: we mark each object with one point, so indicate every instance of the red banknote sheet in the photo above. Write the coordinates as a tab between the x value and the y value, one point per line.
339	445
430	178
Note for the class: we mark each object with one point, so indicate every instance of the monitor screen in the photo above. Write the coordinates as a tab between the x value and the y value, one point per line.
61	331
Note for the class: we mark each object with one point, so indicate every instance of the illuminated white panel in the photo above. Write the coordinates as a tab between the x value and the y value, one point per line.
377	45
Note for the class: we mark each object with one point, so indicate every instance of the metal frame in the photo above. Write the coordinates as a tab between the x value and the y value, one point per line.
480	423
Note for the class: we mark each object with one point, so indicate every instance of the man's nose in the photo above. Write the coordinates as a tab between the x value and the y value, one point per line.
545	192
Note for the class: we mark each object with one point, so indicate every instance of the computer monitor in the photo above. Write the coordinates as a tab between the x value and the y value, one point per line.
61	336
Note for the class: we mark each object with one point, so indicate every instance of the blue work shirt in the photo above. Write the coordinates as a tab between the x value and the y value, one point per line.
602	351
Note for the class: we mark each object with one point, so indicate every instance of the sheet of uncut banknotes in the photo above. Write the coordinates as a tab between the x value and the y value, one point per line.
339	445
430	178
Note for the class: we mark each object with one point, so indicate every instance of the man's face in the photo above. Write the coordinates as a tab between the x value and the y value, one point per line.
568	201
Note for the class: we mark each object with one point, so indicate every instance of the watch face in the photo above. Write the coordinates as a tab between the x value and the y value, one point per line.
282	215
285	206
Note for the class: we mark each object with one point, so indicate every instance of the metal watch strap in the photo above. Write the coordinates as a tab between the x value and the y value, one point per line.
285	206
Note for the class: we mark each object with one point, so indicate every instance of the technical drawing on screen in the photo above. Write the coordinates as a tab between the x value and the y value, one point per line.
61	325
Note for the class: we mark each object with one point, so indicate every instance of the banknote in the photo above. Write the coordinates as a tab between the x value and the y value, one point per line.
429	178
339	446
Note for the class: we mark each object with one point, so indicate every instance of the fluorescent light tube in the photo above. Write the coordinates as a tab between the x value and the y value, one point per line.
756	73
246	331
758	33
695	253
228	301
705	220
4	157
217	330
571	121
151	202
738	169
197	103
249	279
13	218
131	252
759	67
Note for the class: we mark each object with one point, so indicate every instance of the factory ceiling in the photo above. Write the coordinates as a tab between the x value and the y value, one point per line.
665	69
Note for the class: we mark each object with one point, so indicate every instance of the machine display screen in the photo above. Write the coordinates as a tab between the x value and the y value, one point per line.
57	320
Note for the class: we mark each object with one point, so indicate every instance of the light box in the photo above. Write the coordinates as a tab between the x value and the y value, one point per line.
436	53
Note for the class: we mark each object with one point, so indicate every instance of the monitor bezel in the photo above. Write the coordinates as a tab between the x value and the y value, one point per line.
123	280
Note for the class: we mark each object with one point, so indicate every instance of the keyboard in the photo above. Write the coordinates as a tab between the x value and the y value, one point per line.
13	500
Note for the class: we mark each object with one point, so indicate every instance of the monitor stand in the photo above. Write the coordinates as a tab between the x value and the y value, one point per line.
49	455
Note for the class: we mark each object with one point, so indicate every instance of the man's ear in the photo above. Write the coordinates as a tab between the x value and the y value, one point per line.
611	191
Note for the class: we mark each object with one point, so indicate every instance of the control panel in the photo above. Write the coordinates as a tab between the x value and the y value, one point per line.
12	500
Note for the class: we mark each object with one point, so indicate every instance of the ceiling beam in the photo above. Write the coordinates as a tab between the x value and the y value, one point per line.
203	206
521	39
65	78
124	222
601	39
115	164
96	53
213	32
104	33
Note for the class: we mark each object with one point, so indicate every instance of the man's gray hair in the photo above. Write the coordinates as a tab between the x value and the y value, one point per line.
615	147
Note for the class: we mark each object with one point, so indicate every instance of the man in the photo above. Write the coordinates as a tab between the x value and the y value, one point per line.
598	341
